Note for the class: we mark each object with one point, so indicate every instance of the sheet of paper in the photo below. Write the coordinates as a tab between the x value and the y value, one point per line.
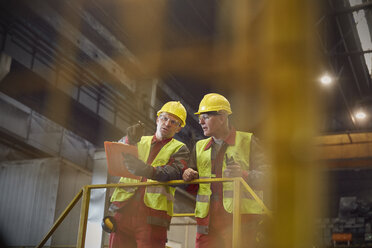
115	153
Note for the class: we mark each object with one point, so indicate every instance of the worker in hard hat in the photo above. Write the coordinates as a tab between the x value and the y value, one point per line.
225	153
143	214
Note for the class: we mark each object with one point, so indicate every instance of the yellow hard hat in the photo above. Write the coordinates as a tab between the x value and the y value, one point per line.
213	102
175	108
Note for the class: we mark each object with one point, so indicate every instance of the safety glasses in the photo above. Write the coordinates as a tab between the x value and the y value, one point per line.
173	122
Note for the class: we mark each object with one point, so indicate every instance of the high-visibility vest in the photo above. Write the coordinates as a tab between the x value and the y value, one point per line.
157	197
240	153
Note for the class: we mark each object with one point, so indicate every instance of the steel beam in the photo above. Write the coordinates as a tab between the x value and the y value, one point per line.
30	128
5	62
81	42
346	149
352	25
366	5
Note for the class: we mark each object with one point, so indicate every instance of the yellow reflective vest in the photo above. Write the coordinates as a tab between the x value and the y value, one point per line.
156	197
240	153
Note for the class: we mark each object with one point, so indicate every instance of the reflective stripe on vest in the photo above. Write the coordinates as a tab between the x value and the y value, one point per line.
156	197
202	198
240	153
157	221
160	190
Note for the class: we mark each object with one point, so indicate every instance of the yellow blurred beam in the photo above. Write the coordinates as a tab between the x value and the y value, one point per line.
288	72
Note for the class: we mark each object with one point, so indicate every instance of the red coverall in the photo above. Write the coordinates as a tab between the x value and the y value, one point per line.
138	225
220	221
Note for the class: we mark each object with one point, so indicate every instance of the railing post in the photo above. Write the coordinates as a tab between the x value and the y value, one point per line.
236	215
83	217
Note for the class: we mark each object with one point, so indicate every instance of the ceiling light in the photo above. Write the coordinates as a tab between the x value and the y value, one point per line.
360	115
326	80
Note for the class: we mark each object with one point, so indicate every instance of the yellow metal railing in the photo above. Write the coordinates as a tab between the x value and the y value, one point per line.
85	193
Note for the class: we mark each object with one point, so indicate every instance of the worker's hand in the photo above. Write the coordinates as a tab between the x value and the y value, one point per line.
138	167
190	174
233	170
135	132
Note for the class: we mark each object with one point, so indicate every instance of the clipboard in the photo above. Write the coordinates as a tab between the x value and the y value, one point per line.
115	152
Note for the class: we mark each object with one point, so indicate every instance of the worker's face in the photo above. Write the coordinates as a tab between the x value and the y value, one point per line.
211	123
167	126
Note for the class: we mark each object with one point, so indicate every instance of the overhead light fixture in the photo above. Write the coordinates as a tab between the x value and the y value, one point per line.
326	79
362	109
360	115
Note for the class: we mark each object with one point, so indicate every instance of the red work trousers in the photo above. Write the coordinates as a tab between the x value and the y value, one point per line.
220	229
132	229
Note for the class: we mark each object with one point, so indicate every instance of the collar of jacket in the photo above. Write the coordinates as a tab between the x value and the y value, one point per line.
155	140
230	140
